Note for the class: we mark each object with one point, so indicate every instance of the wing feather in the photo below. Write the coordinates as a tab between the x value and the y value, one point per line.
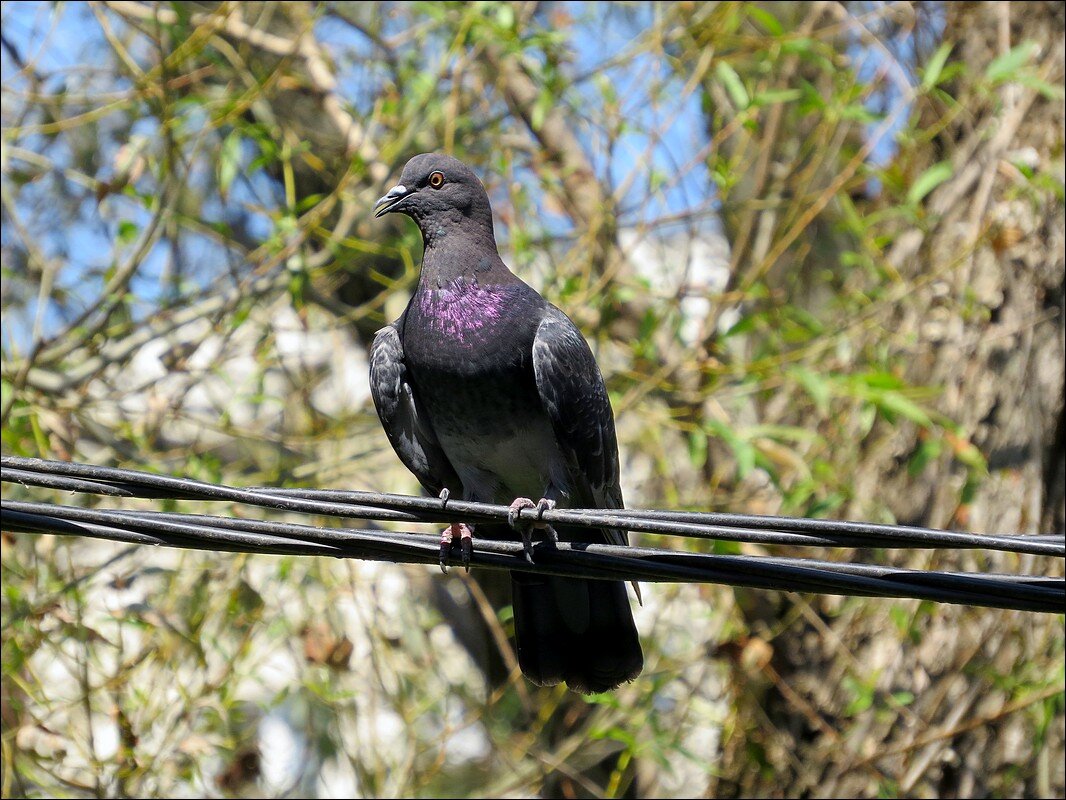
406	425
575	398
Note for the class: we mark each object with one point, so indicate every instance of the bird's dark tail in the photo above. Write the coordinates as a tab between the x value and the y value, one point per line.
575	630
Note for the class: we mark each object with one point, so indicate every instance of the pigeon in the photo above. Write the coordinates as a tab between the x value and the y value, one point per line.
489	392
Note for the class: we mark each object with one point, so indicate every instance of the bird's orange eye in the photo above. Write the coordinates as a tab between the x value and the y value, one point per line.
436	180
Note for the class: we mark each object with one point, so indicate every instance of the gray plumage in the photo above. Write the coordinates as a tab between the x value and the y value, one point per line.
487	390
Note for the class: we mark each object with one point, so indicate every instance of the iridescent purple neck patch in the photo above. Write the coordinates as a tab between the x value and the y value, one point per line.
464	309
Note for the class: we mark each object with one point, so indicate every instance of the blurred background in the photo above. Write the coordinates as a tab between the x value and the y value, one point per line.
818	248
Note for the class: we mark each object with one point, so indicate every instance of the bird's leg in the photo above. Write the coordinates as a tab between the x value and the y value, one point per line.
466	544
525	529
465	534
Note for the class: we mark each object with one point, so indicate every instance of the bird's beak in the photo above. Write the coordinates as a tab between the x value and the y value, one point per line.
394	196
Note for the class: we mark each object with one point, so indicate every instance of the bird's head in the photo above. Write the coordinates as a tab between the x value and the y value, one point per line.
435	188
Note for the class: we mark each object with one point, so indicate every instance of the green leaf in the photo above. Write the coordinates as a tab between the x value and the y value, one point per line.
1048	90
697	448
745	453
743	450
229	161
607	89
867	417
307	203
767	20
545	101
862	696
896	403
240	315
931	73
733	85
926	452
505	17
816	386
782	433
773	96
879	379
181	10
127	231
900	617
745	324
966	452
1006	67
858	112
929	180
800	45
813	102
298	283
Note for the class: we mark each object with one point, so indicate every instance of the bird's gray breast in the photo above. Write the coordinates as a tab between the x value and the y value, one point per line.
469	356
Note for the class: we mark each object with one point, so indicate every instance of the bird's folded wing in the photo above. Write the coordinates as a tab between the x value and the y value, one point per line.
408	429
575	398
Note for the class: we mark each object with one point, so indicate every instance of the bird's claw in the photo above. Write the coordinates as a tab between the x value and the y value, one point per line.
466	549
527	543
525	529
515	509
445	549
444	495
466	545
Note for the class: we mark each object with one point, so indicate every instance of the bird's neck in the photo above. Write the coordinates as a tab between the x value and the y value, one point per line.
469	259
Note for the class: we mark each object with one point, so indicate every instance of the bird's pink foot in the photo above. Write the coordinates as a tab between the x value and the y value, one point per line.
466	544
524	528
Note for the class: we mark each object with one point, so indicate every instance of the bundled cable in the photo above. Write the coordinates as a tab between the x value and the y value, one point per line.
217	533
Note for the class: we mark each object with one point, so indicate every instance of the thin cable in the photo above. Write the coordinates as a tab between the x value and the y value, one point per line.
379	506
1023	592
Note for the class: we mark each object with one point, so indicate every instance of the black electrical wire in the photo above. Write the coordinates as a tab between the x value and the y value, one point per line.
404	508
608	562
215	533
